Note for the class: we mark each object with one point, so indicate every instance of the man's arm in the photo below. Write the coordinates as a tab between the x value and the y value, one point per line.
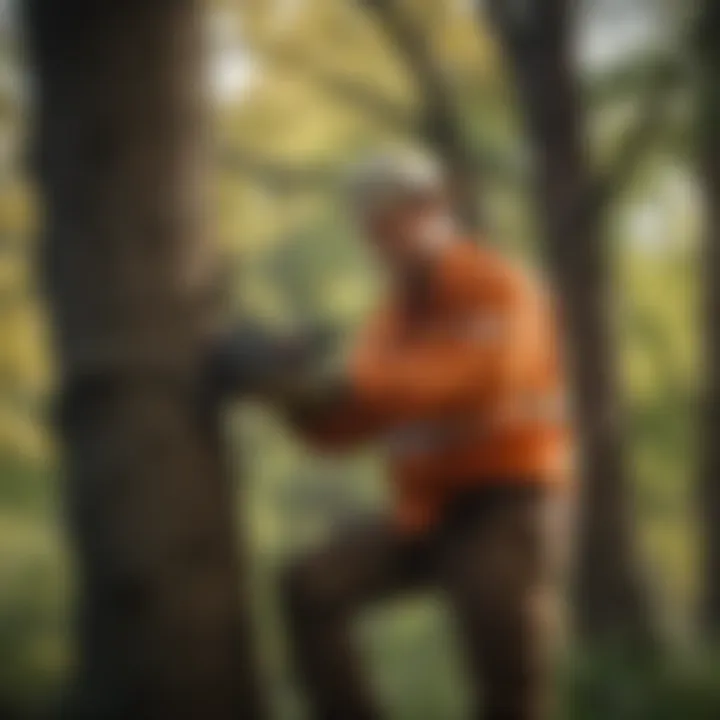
323	409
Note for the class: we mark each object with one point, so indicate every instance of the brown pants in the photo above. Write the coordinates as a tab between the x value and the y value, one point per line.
495	558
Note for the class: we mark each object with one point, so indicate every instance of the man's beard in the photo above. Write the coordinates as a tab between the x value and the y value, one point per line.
436	233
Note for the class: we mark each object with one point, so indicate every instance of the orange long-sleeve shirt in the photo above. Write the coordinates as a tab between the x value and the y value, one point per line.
469	390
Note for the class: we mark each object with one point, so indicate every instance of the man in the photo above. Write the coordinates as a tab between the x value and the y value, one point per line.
459	373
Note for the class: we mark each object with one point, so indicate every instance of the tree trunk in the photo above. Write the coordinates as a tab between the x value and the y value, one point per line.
536	37
708	46
129	275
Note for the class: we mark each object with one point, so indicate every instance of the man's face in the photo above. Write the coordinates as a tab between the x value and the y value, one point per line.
405	234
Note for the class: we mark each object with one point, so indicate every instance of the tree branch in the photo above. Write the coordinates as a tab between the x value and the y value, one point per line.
355	91
440	125
631	151
659	81
529	31
277	174
410	42
634	76
398	118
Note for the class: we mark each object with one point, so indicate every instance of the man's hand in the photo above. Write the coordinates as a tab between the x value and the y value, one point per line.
311	396
251	359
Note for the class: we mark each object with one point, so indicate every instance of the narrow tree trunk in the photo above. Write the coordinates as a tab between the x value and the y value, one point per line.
536	37
708	45
129	272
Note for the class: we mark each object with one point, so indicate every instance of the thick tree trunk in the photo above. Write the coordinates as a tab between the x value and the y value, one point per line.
536	37
129	274
708	46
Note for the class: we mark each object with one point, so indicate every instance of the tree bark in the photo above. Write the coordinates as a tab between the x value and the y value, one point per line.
536	37
129	276
708	65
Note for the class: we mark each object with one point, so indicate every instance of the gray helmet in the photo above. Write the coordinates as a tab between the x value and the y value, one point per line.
392	177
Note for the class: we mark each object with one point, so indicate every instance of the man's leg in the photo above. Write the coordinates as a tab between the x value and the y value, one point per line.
324	590
501	567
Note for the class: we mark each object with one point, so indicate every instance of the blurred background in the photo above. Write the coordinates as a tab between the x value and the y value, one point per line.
585	146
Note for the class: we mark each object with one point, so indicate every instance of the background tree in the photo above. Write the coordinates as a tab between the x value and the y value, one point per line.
129	275
537	38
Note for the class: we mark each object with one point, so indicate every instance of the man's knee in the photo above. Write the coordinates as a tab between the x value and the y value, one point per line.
307	591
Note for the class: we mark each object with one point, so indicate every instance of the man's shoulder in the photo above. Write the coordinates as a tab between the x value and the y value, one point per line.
479	270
